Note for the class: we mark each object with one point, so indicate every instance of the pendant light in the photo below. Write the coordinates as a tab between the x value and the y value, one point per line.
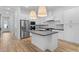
42	12
33	15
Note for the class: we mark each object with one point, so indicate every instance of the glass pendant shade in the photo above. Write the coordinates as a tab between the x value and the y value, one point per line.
42	12
33	15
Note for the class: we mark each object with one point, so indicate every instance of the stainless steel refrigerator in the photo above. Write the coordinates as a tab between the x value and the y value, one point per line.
24	29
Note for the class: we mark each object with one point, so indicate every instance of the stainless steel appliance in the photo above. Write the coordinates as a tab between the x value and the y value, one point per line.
0	24
32	25
24	28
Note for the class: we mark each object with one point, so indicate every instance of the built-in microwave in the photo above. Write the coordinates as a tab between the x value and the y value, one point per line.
32	23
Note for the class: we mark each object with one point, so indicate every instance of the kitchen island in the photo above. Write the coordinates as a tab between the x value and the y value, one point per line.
44	39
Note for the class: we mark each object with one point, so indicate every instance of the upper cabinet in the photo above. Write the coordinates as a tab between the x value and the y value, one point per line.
71	16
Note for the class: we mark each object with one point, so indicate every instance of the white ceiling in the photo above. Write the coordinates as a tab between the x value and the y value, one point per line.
49	8
26	9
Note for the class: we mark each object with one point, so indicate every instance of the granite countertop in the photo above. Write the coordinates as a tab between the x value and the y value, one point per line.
43	33
54	29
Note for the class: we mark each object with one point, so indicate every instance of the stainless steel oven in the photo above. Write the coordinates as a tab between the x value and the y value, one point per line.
32	25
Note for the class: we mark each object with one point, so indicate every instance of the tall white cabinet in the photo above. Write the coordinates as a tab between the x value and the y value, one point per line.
71	25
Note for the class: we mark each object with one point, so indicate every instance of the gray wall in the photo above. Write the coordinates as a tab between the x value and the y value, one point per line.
17	22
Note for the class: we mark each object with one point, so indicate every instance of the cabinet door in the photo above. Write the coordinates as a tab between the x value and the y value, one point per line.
71	15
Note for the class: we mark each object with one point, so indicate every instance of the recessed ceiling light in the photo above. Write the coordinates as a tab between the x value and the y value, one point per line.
7	12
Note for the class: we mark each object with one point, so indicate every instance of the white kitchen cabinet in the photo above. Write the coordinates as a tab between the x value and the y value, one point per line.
61	35
71	25
71	33
71	15
45	42
54	42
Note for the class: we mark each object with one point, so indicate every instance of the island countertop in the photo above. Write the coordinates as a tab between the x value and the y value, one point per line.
43	33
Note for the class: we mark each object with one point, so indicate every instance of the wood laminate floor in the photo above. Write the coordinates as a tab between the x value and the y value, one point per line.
9	43
66	46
